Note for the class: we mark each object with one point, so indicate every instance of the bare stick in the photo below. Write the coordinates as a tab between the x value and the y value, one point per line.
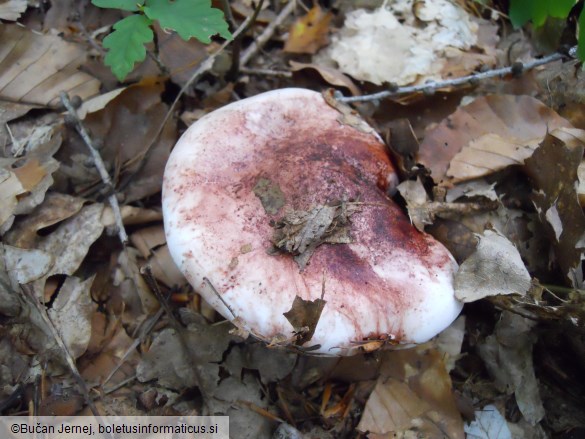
431	87
101	167
255	47
266	72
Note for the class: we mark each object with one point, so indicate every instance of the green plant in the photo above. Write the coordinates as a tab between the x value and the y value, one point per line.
189	18
537	11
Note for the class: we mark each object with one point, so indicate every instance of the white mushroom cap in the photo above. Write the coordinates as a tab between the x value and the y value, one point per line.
389	282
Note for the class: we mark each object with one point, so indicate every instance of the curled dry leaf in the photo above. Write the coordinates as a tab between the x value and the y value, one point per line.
494	268
35	68
309	33
331	75
488	424
489	134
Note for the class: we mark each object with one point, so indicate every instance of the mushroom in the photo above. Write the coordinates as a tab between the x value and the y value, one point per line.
276	209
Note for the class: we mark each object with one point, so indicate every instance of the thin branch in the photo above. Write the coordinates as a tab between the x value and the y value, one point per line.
266	72
431	87
101	167
255	47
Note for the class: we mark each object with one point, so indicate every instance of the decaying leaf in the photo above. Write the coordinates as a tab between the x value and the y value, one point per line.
270	195
304	317
347	115
23	265
35	68
11	10
300	233
494	268
489	134
400	43
412	395
508	357
553	169
309	33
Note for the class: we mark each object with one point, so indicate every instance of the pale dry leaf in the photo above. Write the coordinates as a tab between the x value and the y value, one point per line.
392	44
98	102
10	189
474	188
417	202
11	10
164	268
70	242
35	68
131	216
24	266
72	313
450	341
488	424
494	268
129	277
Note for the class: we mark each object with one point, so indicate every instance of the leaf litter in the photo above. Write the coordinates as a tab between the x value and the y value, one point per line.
505	168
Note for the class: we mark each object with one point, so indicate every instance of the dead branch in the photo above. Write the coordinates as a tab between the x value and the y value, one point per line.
431	87
101	167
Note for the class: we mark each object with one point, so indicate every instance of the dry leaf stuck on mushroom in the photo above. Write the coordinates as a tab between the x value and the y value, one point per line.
276	210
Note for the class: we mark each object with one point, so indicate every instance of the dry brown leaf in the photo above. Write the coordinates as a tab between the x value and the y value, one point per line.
485	136
24	266
54	209
413	394
148	239
329	74
508	356
553	169
309	33
72	313
139	108
35	68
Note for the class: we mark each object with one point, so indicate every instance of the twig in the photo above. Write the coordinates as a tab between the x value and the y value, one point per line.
32	299
253	49
266	72
101	167
431	87
205	66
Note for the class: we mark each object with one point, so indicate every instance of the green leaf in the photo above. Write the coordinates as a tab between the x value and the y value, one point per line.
126	44
581	42
126	5
522	11
190	18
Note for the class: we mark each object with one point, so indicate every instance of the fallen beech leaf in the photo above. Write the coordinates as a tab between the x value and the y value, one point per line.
412	396
309	33
72	312
329	74
494	268
487	135
553	169
35	68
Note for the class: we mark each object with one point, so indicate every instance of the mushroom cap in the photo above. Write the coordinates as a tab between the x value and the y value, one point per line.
238	171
